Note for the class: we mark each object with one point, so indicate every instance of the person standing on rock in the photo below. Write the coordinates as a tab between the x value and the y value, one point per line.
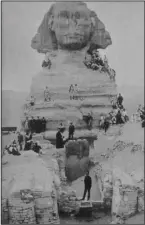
71	131
60	141
88	185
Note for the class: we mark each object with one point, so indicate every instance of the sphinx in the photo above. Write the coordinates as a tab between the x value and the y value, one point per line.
70	26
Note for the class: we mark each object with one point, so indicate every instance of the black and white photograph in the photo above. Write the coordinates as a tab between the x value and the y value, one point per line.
72	112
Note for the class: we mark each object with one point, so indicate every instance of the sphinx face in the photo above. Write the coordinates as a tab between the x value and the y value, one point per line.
72	28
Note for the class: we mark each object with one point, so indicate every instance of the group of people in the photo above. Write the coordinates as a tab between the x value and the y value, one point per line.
35	125
23	142
73	92
96	62
118	114
60	139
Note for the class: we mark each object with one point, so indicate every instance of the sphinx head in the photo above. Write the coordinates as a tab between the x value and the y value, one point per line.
72	26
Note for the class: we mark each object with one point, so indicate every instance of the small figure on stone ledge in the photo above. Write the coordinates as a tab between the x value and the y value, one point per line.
46	62
88	185
47	97
71	92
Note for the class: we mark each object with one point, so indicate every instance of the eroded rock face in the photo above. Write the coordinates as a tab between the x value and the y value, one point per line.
77	159
72	26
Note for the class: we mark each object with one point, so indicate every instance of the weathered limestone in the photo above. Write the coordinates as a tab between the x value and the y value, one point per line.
123	184
66	34
30	186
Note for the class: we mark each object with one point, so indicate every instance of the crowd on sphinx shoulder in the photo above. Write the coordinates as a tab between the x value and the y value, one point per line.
95	61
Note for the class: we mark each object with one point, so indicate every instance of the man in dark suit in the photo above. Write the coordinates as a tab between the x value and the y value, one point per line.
88	185
60	141
71	130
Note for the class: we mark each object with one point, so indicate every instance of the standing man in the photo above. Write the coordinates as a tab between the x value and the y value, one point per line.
88	185
60	141
89	121
106	124
20	140
27	124
71	130
43	121
38	125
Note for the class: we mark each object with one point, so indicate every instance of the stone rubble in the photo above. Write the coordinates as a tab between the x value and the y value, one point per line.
126	197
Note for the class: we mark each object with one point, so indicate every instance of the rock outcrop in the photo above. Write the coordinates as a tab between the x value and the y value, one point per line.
67	33
122	176
77	159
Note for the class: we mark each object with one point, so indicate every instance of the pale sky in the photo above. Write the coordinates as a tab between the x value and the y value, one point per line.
20	20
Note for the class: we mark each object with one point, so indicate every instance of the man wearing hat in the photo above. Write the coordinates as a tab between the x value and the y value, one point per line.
60	141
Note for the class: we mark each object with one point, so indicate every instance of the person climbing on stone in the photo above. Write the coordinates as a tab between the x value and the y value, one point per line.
60	141
119	99
71	92
71	130
87	185
47	97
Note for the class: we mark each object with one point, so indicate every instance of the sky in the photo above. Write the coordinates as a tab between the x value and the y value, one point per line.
20	20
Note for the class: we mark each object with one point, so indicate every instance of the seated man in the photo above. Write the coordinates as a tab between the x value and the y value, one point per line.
32	100
36	147
46	62
13	149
